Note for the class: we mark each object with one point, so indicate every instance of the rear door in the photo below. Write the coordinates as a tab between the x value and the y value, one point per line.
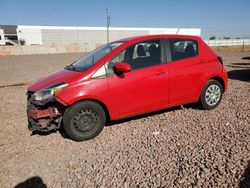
185	70
143	89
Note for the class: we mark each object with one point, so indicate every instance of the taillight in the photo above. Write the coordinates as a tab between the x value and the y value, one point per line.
220	59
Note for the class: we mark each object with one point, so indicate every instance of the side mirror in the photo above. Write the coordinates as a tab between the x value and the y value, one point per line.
121	67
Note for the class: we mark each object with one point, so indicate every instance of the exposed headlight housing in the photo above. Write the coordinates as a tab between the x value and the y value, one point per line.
45	95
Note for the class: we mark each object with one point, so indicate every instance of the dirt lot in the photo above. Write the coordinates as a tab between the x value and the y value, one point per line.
180	147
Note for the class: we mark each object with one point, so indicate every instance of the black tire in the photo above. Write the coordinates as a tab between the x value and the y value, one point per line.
204	104
84	120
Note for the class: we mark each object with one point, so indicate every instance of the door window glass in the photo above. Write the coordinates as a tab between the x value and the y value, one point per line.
183	48
141	55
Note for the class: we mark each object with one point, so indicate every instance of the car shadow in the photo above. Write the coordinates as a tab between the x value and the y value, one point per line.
40	133
242	71
35	181
243	64
237	66
117	122
246	58
240	65
245	179
241	75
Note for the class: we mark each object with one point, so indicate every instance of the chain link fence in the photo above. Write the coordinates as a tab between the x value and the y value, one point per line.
229	44
69	46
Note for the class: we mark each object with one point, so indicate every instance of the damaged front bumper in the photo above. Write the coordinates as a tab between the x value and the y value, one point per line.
46	117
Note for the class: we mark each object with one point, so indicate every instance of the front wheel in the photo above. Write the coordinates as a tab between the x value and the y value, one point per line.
84	120
211	95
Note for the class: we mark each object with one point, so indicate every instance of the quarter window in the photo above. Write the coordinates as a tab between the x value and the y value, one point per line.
183	48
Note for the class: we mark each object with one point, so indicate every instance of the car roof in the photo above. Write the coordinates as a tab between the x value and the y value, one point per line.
148	37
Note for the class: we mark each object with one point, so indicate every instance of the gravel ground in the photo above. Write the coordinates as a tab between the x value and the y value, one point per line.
179	147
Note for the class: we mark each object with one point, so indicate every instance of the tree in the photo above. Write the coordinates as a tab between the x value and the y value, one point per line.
212	38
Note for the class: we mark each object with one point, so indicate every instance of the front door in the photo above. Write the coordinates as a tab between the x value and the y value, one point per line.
143	89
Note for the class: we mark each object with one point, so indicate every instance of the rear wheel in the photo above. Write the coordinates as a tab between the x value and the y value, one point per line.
84	120
211	95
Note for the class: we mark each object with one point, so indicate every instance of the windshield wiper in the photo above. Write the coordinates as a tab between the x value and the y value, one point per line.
70	67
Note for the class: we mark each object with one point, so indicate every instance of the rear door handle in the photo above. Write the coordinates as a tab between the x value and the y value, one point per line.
160	72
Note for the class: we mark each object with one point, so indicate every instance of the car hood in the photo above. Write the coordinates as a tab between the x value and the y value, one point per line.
64	75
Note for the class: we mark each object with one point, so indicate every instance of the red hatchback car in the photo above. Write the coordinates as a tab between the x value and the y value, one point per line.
126	78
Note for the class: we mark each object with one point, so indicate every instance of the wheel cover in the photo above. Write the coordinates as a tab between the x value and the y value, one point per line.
85	120
213	95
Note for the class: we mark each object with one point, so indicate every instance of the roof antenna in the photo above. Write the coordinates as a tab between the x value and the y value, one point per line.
178	30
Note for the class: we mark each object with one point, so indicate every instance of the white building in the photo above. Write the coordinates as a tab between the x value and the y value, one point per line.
2	39
90	36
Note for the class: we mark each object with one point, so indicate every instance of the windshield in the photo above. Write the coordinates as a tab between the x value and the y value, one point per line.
91	58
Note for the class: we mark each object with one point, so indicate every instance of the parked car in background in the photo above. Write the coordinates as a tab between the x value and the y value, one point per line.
126	78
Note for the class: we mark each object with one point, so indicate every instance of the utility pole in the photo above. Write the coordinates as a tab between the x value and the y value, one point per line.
108	23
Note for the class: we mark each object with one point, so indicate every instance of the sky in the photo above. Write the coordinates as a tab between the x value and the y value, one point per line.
221	18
